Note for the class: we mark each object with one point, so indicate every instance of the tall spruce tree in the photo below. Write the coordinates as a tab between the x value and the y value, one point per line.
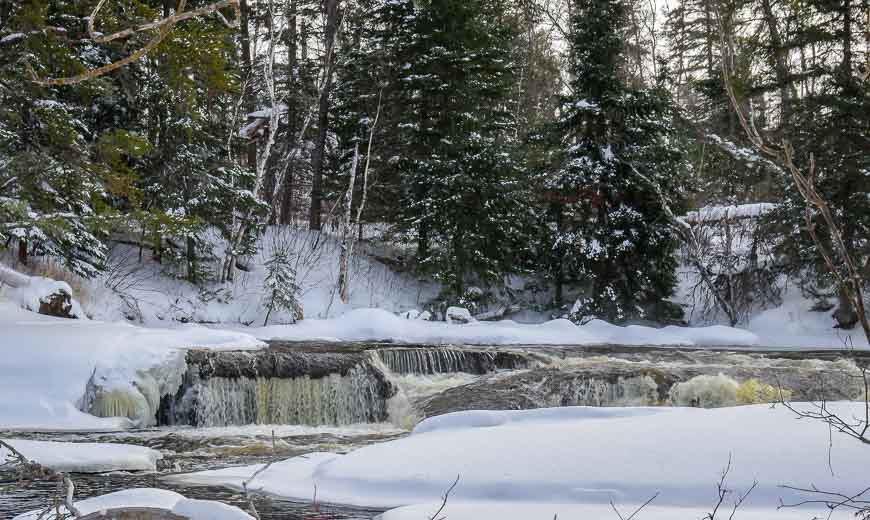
462	197
618	152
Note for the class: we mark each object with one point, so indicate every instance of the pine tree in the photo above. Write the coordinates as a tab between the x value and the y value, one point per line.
618	151
462	202
279	286
51	196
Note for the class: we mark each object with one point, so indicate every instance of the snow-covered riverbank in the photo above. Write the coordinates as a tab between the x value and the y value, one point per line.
574	461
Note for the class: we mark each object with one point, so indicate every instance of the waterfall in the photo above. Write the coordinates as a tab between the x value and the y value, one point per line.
445	360
359	396
624	391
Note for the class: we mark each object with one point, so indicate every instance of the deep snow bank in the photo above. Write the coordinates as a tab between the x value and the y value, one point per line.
581	457
152	498
458	510
380	325
86	457
46	362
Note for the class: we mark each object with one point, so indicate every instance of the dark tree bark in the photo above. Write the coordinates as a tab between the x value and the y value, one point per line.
780	65
846	64
332	13
5	11
247	73
22	252
286	209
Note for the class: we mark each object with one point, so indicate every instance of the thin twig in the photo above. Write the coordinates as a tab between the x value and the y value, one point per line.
444	498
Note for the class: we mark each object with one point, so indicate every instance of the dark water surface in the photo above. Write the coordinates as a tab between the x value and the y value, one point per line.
188	450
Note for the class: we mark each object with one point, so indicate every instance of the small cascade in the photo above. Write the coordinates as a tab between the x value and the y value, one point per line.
447	360
639	390
290	394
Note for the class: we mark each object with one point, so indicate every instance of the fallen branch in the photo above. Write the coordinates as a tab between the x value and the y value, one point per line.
31	470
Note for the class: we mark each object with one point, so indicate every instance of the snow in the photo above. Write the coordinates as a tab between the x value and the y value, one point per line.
30	292
209	510
792	325
11	38
455	510
141	291
578	459
46	362
734	212
152	498
380	325
85	457
458	315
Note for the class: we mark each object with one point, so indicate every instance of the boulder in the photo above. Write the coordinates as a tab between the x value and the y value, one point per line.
458	315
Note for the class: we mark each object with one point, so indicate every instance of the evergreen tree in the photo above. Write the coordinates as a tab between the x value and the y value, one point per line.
279	286
51	195
462	201
618	152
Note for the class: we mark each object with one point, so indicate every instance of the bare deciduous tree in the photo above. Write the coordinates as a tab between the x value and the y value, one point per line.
275	111
851	282
347	240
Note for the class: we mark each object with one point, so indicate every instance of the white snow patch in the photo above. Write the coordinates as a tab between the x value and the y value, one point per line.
739	211
152	498
380	325
581	458
86	457
485	510
46	362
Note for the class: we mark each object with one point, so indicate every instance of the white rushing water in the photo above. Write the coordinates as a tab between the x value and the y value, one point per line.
332	400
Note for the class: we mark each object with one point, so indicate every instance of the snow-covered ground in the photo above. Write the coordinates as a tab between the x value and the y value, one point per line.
151	498
46	362
147	293
377	324
85	457
574	461
791	326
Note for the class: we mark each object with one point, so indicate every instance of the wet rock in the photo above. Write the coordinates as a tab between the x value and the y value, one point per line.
58	304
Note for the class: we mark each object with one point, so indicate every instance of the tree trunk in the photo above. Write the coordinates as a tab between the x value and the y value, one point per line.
780	65
22	251
845	314
191	261
558	274
846	64
5	11
285	212
248	74
323	115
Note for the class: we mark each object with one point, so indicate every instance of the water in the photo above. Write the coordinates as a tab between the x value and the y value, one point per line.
343	384
332	400
188	450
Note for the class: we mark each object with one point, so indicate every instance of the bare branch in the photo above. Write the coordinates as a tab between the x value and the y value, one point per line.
164	26
853	281
444	498
636	511
31	470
